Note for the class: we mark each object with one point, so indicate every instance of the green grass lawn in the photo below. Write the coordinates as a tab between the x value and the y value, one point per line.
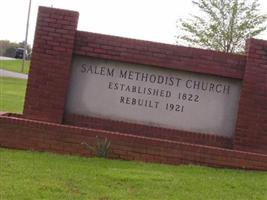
14	65
12	93
28	175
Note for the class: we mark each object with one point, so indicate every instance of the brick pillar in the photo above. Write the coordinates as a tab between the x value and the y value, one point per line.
251	129
50	64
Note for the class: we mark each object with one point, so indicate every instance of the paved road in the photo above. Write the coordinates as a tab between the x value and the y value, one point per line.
5	73
6	58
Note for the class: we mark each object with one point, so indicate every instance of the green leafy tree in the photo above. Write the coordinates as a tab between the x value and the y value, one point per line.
224	25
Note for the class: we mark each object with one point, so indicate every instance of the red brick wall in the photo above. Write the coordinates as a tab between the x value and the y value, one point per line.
22	133
148	131
251	131
57	40
50	64
161	55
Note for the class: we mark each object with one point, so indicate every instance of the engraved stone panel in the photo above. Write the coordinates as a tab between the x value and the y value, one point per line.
153	96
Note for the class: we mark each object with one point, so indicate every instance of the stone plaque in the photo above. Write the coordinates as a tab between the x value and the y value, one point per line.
153	96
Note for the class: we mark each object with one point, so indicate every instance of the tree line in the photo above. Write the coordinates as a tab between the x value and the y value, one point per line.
8	48
222	25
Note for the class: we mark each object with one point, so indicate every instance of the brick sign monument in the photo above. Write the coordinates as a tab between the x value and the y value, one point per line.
154	102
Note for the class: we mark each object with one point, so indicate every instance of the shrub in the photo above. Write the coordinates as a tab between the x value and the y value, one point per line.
101	147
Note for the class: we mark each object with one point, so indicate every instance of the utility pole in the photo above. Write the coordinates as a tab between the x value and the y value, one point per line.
26	37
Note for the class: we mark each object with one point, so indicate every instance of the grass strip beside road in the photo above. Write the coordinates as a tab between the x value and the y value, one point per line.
12	94
28	175
14	65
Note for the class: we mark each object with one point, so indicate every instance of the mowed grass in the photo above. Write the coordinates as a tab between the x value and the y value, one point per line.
28	175
15	65
12	94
